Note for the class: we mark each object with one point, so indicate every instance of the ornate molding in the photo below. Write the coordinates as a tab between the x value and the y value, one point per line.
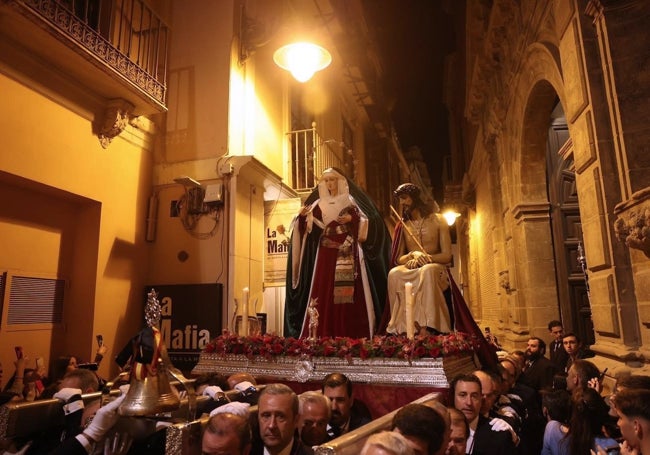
531	211
491	67
116	118
632	225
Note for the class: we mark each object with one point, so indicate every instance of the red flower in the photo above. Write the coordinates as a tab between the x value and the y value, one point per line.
379	346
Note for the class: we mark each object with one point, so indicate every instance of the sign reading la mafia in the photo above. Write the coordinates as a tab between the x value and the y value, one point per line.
277	224
190	318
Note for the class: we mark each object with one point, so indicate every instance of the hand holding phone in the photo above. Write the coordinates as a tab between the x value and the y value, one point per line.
100	341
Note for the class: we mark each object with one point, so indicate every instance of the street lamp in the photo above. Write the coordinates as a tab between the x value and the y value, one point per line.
450	216
302	59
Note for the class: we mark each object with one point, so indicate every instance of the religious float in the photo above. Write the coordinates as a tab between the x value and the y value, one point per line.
420	361
388	371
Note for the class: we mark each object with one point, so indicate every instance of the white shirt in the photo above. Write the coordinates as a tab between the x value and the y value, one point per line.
285	451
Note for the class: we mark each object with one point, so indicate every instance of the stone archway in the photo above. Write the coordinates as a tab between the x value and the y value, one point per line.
532	255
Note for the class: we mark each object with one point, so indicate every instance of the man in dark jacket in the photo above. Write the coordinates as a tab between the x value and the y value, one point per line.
557	353
347	413
539	370
277	415
485	436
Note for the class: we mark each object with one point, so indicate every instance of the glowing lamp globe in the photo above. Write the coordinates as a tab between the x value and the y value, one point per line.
302	59
450	216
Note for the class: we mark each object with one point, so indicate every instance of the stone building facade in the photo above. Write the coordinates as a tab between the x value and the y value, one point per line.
550	144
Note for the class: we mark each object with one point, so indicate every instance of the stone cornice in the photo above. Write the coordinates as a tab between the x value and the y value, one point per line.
531	211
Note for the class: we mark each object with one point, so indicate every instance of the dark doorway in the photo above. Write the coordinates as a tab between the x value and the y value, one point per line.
573	297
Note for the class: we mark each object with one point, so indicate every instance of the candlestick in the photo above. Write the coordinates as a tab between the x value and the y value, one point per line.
244	313
410	326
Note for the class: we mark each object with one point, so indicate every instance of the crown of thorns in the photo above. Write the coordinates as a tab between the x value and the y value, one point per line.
408	189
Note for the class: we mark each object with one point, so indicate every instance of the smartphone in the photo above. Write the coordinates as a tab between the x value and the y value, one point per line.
88	366
19	352
39	363
100	340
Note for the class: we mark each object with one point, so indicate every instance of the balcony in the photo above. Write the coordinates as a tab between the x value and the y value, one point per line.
311	155
112	49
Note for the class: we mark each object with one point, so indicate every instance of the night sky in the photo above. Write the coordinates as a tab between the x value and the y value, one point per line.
413	37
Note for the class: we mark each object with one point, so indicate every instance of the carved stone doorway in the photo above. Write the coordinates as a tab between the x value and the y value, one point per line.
573	298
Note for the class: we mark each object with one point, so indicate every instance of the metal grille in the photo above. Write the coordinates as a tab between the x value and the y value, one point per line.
35	300
125	34
309	158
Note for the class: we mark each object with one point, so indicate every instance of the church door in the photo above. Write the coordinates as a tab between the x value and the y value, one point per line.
566	229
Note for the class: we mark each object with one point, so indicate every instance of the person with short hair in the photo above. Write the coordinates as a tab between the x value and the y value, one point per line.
348	413
277	415
315	411
459	433
580	373
539	371
227	433
466	395
557	353
422	426
386	443
575	349
623	382
633	408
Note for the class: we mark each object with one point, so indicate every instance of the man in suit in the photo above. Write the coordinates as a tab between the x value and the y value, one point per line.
539	370
347	413
557	354
277	415
315	413
84	443
485	438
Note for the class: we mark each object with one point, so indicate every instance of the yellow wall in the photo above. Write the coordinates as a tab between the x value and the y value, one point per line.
205	246
198	87
82	217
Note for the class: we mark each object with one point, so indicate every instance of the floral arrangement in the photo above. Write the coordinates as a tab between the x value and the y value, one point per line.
388	346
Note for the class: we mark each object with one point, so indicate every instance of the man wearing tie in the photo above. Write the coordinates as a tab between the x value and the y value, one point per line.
557	353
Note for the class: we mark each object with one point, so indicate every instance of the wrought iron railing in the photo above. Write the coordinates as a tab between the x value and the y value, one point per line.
310	156
126	35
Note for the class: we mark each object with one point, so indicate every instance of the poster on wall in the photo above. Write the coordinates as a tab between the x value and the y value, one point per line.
190	318
278	215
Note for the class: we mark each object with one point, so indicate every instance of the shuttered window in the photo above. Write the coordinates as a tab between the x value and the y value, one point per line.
35	300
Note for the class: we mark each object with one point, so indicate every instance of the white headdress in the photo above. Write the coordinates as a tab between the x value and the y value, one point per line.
331	205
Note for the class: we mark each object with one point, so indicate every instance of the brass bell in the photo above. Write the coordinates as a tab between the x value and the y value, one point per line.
149	395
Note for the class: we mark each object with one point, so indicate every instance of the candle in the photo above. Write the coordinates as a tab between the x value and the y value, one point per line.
244	313
408	297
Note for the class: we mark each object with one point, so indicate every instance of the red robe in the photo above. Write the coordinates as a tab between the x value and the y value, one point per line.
338	288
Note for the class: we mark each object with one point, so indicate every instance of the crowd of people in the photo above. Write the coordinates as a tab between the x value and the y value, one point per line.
528	404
